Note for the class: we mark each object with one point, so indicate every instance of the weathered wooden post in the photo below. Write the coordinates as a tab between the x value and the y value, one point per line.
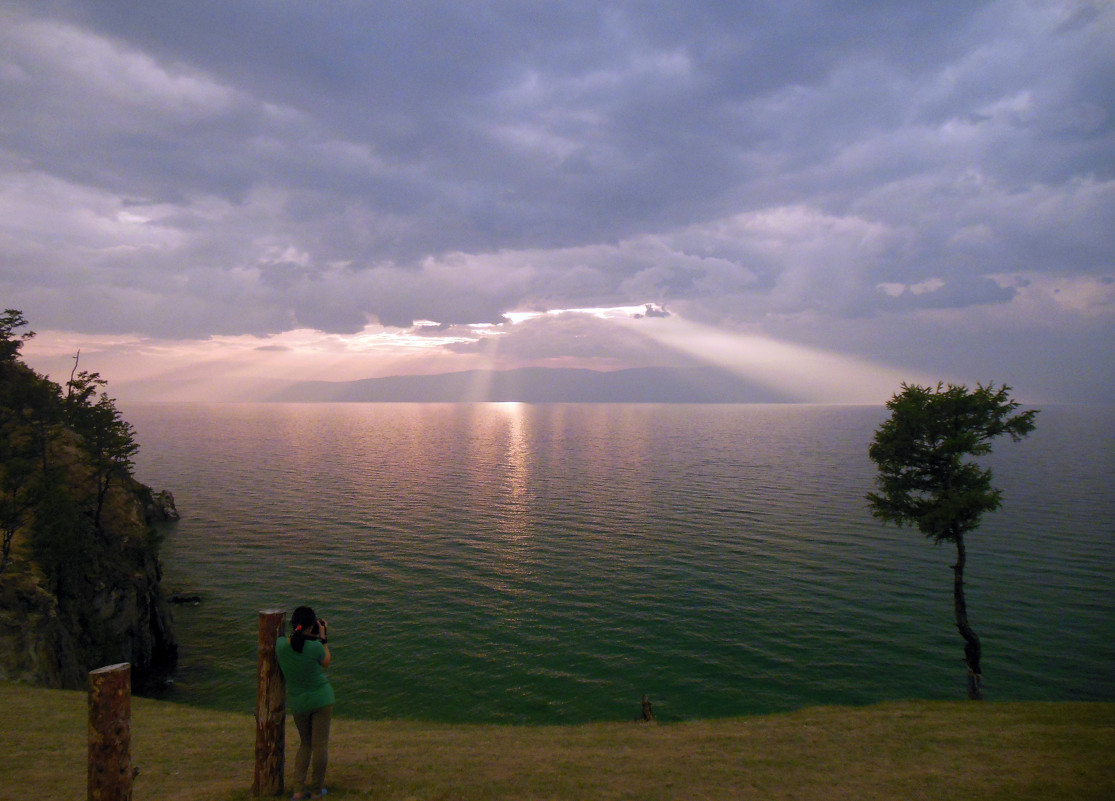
110	733
270	708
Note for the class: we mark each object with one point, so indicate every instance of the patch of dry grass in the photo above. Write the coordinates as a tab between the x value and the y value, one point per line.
909	750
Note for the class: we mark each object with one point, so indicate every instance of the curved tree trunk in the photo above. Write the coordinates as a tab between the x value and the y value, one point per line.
972	651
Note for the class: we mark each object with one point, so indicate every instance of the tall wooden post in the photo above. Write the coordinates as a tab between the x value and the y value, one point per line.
110	733
270	708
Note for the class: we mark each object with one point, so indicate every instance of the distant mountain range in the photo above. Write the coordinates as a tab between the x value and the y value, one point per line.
541	385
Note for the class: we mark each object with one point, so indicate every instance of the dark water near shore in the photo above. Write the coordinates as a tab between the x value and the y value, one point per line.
552	563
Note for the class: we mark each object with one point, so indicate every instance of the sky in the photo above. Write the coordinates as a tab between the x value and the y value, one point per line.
208	199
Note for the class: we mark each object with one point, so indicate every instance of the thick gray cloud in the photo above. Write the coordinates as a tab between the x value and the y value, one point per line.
188	169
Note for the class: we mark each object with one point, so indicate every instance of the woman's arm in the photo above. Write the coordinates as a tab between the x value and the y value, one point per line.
322	630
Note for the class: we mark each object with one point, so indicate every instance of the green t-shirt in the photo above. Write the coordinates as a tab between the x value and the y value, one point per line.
307	688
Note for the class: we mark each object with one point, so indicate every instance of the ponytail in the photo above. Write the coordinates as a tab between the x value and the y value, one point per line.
298	639
303	621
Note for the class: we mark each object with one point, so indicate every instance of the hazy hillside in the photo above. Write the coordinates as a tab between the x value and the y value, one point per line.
543	385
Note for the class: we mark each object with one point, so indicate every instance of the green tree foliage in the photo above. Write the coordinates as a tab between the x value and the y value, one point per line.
928	477
10	322
17	470
39	489
61	536
109	441
21	443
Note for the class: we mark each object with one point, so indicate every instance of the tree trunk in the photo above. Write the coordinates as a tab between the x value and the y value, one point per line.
6	548
110	734
270	708
972	651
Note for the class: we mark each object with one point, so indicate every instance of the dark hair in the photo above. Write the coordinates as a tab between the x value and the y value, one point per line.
303	621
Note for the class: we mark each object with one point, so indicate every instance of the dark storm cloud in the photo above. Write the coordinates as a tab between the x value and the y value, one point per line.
184	169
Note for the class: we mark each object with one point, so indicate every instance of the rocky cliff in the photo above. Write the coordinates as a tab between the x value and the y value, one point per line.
79	567
110	608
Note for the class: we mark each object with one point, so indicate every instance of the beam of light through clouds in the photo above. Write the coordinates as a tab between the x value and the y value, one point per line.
804	374
210	199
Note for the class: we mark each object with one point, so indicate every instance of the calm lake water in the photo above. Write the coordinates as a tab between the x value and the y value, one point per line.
553	563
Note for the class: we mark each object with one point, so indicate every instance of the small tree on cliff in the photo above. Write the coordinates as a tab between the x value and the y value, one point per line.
110	445
927	479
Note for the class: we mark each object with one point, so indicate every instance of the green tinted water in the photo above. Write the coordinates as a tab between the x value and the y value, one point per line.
552	563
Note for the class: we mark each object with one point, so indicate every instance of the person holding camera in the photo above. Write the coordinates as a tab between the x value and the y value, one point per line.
303	658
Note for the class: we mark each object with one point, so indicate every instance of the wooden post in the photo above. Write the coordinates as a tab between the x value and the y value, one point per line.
110	733
270	708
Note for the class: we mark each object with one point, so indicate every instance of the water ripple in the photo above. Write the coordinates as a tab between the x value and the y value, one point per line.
553	563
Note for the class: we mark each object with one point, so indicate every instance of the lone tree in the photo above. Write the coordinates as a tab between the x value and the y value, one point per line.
928	480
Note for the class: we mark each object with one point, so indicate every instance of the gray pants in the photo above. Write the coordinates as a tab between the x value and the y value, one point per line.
313	729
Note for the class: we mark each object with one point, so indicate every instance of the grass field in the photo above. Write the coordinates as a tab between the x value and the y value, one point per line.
908	750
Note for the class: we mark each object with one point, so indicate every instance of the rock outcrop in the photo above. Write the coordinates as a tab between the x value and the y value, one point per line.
35	645
113	612
159	506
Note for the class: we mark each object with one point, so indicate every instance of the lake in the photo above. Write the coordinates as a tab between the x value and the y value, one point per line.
552	563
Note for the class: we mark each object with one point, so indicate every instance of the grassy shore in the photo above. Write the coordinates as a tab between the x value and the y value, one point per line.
908	750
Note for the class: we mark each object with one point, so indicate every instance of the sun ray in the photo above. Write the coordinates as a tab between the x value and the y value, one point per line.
808	375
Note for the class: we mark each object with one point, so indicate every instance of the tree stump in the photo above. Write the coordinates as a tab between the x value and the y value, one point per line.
270	708
110	733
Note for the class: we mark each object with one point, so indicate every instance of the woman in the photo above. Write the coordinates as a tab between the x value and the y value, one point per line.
303	659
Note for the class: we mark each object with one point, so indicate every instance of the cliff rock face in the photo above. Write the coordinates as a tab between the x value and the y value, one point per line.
110	610
35	646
